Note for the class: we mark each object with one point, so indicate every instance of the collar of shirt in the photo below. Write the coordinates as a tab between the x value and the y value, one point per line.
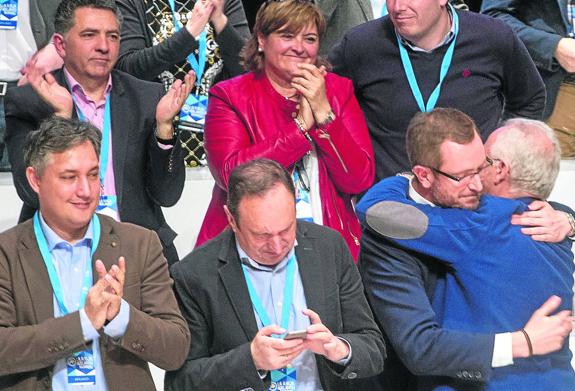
246	260
79	93
415	196
446	40
53	240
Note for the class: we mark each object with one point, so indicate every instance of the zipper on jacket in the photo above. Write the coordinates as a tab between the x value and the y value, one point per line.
323	134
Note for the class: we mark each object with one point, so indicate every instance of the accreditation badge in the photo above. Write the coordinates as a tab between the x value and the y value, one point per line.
108	206
194	111
81	369
8	14
283	379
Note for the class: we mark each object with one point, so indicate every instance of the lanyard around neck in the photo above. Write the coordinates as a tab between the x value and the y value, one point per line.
106	133
47	257
199	64
445	64
287	299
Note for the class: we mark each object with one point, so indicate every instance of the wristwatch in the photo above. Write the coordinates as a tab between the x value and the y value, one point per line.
571	220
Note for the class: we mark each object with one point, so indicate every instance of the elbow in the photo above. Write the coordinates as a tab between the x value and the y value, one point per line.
179	352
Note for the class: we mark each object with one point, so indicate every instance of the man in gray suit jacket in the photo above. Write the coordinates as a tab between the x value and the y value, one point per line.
145	170
84	300
268	275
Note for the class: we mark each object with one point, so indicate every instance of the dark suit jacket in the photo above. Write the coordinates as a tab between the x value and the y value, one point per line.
32	340
146	176
540	25
399	285
214	299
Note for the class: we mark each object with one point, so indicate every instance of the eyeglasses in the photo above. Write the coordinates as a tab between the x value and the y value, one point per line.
465	178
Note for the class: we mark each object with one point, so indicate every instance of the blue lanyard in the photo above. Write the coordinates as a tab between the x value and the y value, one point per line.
198	65
571	17
106	130
287	300
47	256
445	64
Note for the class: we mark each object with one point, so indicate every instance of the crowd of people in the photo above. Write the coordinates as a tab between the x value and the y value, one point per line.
379	217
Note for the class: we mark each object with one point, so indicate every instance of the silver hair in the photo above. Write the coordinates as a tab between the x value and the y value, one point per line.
57	135
533	165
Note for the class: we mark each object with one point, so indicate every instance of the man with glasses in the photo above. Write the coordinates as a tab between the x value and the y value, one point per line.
473	267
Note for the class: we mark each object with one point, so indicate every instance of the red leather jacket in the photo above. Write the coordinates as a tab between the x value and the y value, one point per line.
248	119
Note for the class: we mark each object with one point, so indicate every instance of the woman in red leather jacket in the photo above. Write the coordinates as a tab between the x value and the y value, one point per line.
291	110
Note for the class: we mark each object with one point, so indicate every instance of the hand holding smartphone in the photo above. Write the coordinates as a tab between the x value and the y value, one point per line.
296	334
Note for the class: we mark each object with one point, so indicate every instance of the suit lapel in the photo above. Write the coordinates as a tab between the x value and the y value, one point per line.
108	250
120	126
234	283
309	264
36	275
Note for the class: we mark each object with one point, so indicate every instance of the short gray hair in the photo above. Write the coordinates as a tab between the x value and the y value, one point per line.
64	18
533	166
255	178
57	135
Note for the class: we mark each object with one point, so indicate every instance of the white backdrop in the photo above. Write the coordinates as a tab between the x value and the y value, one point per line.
187	215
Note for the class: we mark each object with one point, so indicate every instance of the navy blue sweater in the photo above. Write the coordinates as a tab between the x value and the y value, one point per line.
491	77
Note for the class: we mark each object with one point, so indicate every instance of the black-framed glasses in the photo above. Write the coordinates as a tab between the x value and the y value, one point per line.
465	178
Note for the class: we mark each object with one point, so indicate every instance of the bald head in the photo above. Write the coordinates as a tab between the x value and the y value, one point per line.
527	157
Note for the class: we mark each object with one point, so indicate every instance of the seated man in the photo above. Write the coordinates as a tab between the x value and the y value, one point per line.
69	315
497	275
267	275
141	164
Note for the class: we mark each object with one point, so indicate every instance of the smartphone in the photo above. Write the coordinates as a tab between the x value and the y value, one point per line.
296	334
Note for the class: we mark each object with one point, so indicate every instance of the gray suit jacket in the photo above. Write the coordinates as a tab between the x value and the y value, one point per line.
341	15
32	340
214	299
42	20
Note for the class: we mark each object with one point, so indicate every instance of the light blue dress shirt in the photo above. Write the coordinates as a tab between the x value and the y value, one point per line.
269	283
70	263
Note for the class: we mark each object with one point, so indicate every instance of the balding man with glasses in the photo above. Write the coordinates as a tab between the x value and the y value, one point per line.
457	249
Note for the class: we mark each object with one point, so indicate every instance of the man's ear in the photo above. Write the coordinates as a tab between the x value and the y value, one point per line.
59	44
33	179
501	172
424	176
231	220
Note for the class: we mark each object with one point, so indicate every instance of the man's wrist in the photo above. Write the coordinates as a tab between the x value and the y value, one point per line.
520	347
571	220
164	132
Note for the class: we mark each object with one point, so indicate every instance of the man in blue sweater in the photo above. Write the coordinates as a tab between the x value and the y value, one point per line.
497	276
